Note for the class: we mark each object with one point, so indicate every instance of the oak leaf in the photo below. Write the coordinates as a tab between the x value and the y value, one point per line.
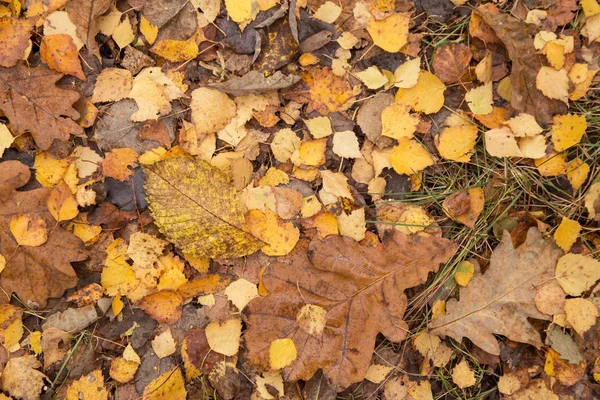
33	103
197	208
501	300
333	297
517	36
35	273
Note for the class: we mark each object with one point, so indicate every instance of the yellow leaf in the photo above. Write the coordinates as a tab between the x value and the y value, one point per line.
117	305
328	12
483	70
457	143
567	233
122	370
307	59
6	138
11	326
123	33
462	375
163	344
59	22
269	381
372	77
21	379
48	170
567	130
176	50
212	110
274	177
61	54
555	53
212	224
152	156
224	338
583	86
391	33
553	84
29	230
281	353
427	96
240	10
90	386
284	143
581	314
407	74
312	152
377	372
533	147
464	273
577	173
118	278
149	31
590	7
480	99
438	308
524	125
113	84
552	165
345	144
347	40
35	342
501	142
280	237
61	203
169	385
325	222
241	292
310	206
191	371
353	225
397	121
409	157
163	306
172	275
85	231
577	273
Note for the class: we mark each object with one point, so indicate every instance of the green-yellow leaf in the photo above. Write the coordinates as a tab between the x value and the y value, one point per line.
197	208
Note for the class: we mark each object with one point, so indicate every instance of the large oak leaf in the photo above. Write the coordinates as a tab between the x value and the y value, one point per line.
33	103
517	36
501	300
35	273
333	297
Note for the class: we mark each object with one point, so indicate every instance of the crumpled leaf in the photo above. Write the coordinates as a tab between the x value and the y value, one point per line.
333	297
501	300
33	103
197	208
36	273
254	82
517	36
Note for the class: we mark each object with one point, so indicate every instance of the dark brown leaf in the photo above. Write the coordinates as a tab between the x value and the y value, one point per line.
451	62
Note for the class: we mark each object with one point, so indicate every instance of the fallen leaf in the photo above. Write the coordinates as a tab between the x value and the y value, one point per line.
377	373
409	157
255	82
84	15
14	39
90	386
60	53
577	273
11	326
553	84
480	99
123	371
29	230
407	74
280	237
397	121
567	130
464	273
176	50
113	84
328	93
345	144
325	320
211	204
465	206
149	31
462	375
117	162
427	96
212	110
169	385
567	233
241	292
372	77
21	379
451	61
123	34
581	314
457	143
501	142
517	36
87	295
224	338
163	344
32	91
390	33
164	306
502	297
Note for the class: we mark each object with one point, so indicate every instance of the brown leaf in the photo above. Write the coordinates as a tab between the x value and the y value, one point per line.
199	352
207	285
36	273
83	13
255	82
517	36
164	306
87	295
156	131
333	297
501	300
33	103
55	343
451	62
14	39
13	174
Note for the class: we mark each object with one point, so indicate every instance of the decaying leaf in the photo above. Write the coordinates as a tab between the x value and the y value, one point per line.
21	378
501	300
330	320
27	92
255	82
212	224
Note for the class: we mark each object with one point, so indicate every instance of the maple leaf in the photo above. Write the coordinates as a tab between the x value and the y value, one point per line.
33	103
501	300
35	273
333	297
517	36
197	208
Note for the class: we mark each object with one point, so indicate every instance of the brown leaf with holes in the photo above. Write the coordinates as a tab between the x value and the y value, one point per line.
333	297
36	273
33	103
501	300
451	62
517	36
14	39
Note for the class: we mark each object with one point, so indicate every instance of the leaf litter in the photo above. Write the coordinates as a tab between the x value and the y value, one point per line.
248	199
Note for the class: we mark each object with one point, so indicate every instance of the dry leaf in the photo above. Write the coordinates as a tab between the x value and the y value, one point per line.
164	306
577	273
60	53
14	39
163	344
84	15
32	91
255	82
21	379
324	320
90	386
462	375
390	33
212	208
117	162
501	300
451	61
427	96
113	84
224	338
169	385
